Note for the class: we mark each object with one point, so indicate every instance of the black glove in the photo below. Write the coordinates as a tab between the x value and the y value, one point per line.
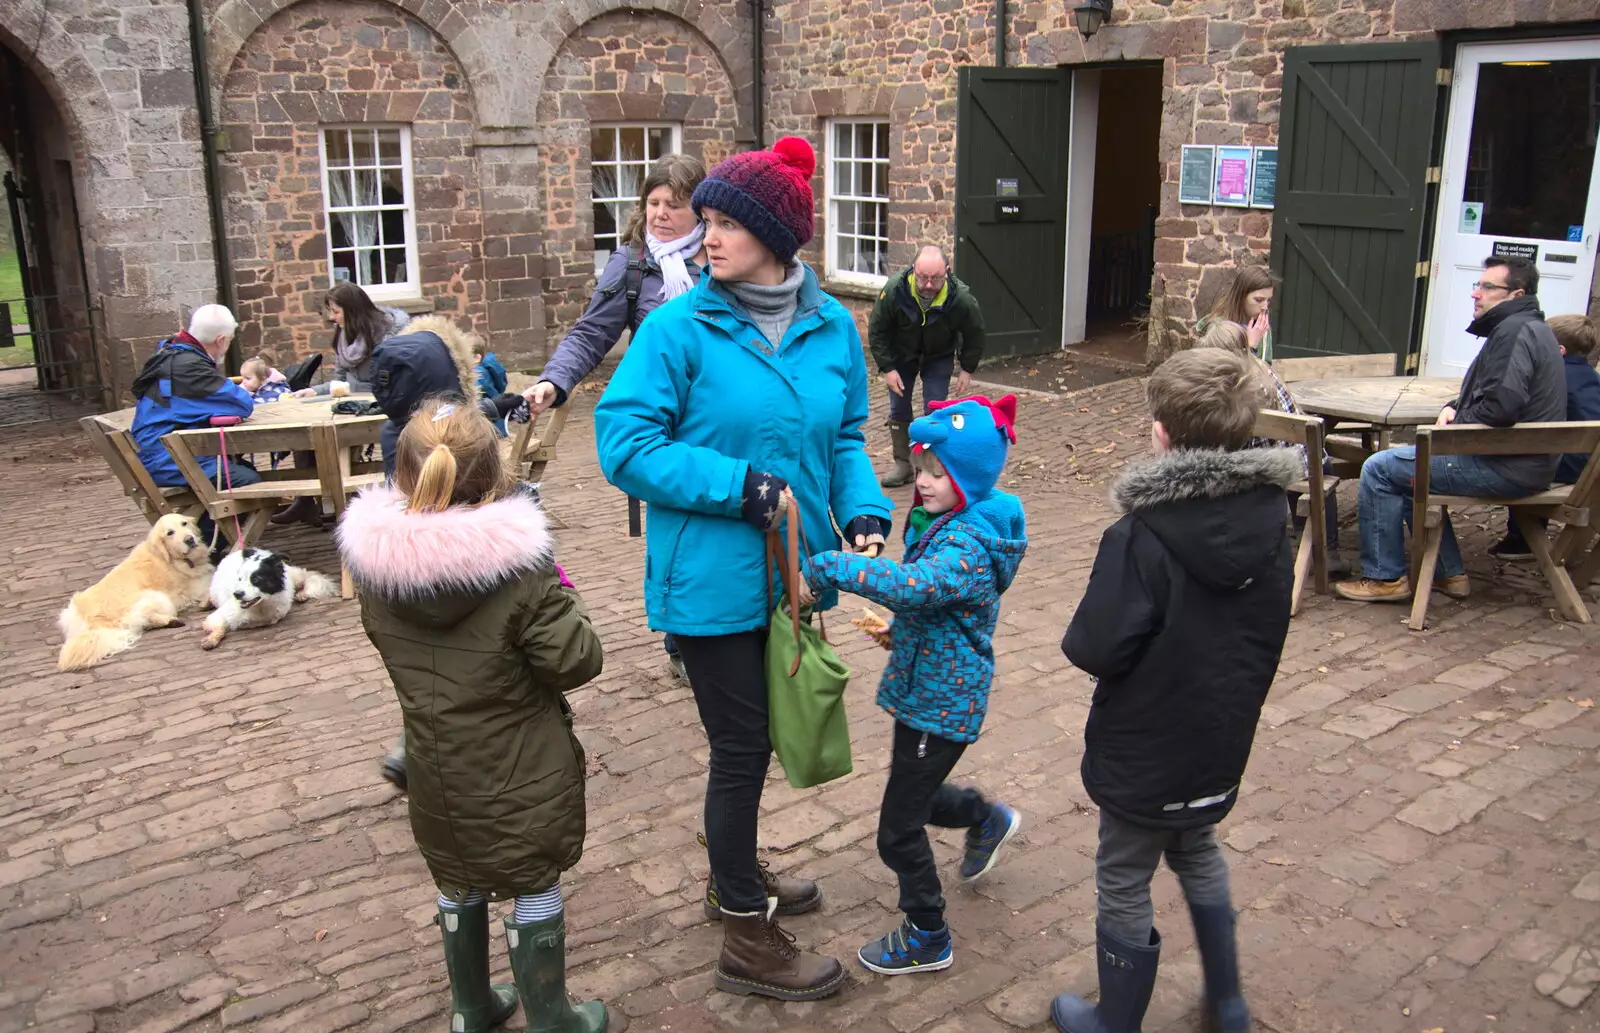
513	407
763	499
865	526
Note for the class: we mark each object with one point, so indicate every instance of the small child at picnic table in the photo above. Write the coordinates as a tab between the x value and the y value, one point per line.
964	543
1578	338
261	381
482	634
1181	626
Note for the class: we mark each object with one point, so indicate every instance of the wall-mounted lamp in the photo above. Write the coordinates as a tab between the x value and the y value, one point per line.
1090	15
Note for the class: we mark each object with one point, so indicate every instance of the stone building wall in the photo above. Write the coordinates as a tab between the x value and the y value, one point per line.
344	62
1222	64
619	68
120	81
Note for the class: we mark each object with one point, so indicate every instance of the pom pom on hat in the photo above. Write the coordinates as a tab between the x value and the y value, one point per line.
768	192
797	154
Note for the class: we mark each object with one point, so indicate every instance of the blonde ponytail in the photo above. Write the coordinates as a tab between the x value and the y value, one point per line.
448	455
436	482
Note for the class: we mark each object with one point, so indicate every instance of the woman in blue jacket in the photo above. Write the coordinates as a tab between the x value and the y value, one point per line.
749	386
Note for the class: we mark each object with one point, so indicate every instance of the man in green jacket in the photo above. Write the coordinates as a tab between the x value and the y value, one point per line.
925	319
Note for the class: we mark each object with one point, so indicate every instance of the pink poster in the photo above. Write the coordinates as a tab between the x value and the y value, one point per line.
1233	178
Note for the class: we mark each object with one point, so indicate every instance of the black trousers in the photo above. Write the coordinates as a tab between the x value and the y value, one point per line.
727	674
918	796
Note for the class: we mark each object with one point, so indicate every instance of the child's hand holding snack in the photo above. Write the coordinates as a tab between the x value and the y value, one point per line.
875	627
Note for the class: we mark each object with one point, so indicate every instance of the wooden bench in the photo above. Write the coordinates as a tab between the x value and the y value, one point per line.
528	454
116	447
1329	367
336	477
1311	554
1573	505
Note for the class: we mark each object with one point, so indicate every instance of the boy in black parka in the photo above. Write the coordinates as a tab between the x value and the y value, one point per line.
1182	626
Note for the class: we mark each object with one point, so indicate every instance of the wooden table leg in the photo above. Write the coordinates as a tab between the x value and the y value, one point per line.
333	465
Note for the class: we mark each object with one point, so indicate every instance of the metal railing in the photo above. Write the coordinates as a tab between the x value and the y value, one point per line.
56	337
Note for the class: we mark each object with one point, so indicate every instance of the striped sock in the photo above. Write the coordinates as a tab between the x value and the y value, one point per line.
472	898
538	907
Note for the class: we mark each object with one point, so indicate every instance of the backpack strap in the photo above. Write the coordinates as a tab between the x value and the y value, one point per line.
633	281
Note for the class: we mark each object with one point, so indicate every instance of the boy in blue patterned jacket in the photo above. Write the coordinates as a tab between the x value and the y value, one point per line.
963	545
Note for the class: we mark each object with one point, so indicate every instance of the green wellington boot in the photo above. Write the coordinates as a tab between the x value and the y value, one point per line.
539	965
475	1006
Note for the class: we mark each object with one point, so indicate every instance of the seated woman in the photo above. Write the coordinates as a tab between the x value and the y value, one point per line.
1232	337
1245	302
359	326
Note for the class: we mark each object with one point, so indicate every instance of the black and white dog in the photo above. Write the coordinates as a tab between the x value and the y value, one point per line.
254	588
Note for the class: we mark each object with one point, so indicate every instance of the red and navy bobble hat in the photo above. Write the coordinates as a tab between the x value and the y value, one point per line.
768	192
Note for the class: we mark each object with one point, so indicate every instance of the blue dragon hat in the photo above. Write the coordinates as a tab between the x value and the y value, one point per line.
971	438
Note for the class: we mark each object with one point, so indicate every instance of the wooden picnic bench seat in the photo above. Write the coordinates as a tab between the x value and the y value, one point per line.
334	479
1311	554
1573	505
116	447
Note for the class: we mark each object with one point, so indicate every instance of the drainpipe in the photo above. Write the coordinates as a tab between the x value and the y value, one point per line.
999	33
758	47
226	294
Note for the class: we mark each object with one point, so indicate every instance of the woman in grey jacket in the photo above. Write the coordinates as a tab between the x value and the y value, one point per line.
661	257
662	247
359	327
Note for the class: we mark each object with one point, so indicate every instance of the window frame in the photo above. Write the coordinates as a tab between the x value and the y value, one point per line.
379	292
832	199
675	146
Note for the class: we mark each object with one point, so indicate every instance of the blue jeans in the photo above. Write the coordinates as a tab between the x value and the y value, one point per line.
935	375
670	644
1387	480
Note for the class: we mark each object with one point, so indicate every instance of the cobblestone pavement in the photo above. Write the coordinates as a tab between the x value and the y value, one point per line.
200	841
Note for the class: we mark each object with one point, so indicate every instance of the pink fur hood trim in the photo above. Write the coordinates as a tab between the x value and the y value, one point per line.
398	553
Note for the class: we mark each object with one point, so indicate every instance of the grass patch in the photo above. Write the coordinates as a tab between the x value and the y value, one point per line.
11	292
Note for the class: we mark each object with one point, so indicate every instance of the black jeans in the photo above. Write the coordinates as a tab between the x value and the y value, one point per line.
935	373
727	674
917	796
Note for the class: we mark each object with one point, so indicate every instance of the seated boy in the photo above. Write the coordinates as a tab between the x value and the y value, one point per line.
1577	337
963	547
1181	626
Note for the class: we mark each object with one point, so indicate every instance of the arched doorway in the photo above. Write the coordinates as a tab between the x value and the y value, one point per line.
51	362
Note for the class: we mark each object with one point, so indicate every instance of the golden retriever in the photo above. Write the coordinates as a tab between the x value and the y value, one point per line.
166	574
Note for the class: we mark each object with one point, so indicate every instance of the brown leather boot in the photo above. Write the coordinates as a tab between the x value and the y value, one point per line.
303	510
795	896
758	957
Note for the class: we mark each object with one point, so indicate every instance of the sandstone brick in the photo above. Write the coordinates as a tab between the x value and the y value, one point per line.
1442	809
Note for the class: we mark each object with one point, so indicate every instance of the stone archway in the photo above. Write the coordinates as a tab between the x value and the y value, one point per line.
506	49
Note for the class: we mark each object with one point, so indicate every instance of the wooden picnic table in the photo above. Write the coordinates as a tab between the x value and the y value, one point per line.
1379	401
287	425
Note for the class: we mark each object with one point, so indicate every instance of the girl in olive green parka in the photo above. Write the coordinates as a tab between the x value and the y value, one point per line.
481	633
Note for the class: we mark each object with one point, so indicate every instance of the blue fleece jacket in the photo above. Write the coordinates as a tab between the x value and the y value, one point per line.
946	600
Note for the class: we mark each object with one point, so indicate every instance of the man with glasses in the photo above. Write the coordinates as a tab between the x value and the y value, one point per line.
925	319
1516	378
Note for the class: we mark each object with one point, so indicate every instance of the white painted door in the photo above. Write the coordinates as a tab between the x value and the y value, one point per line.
1520	176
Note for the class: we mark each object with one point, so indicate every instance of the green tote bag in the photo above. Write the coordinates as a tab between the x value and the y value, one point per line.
805	678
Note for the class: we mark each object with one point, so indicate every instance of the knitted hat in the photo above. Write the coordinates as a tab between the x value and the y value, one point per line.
971	438
768	192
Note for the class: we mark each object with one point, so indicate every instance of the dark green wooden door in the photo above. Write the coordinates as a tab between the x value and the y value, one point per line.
1353	147
1012	133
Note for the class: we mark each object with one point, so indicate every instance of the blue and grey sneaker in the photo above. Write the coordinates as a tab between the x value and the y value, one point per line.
908	949
984	841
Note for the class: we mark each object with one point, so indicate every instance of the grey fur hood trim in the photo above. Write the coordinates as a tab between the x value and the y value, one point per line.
1195	473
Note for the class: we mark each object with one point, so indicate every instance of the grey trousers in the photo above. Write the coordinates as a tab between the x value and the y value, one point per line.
1129	855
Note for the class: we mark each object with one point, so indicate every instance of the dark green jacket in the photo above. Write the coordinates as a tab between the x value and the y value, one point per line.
481	640
899	335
